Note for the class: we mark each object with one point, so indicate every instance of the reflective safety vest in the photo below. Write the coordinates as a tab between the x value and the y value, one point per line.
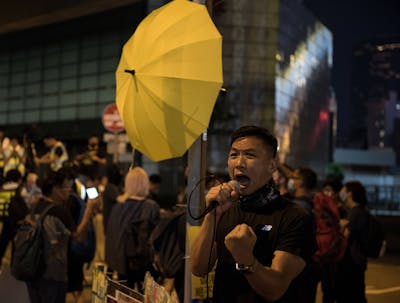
57	161
14	162
4	144
5	200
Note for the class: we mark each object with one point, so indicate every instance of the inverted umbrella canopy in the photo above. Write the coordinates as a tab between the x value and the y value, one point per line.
168	79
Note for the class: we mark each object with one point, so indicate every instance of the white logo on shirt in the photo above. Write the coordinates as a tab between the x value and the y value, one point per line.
266	227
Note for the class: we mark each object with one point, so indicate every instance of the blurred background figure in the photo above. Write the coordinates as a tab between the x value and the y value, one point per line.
30	149
14	156
281	179
350	280
154	187
4	141
10	213
181	196
111	189
30	191
60	228
56	156
301	184
92	160
331	188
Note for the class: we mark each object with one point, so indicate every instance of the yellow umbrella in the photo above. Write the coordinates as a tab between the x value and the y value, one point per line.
168	79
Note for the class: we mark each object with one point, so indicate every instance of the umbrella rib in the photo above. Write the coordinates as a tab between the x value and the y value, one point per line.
150	91
160	57
188	117
172	25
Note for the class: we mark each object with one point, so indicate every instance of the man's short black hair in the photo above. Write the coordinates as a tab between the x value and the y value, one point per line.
57	178
358	192
308	176
259	132
334	183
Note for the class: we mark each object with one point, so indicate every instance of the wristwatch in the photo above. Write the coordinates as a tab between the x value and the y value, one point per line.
246	269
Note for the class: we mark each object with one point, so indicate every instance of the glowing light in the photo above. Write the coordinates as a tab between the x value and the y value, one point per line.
323	116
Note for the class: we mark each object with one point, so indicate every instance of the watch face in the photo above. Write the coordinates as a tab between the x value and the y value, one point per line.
245	268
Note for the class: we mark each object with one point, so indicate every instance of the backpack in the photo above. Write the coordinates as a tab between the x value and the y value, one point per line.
168	239
138	248
86	249
331	241
376	238
28	262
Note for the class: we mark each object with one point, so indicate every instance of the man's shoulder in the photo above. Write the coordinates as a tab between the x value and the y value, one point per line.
295	212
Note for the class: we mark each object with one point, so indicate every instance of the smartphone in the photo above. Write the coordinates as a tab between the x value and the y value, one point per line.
92	192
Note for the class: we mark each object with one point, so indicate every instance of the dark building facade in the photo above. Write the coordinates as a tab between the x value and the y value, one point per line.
376	82
277	63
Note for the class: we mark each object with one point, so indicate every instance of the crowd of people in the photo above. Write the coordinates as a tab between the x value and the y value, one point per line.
262	234
74	239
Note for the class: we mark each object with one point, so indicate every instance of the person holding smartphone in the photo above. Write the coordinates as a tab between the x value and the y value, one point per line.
60	227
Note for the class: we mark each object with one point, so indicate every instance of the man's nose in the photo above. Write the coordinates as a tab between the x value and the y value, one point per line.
240	161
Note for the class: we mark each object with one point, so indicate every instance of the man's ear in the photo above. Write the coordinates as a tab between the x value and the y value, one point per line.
273	165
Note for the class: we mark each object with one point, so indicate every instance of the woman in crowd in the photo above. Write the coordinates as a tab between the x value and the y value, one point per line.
131	221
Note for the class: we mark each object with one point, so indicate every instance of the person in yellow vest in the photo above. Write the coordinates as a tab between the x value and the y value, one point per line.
4	142
92	160
56	156
14	157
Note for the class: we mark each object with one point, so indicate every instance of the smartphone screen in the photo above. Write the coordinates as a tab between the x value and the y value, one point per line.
92	193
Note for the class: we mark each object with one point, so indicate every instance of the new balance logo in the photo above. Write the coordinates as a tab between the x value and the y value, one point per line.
266	227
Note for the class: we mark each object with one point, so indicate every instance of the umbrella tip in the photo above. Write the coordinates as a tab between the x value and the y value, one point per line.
130	71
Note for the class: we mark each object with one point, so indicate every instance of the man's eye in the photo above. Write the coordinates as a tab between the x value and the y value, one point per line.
232	155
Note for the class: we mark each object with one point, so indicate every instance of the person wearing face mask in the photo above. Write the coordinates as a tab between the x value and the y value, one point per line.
350	279
261	241
331	188
301	184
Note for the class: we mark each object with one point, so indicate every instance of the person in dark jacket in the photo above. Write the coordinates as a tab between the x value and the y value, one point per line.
351	269
132	206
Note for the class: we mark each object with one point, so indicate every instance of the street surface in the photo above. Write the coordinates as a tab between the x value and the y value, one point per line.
382	280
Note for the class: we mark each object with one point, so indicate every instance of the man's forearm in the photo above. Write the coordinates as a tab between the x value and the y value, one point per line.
200	250
272	282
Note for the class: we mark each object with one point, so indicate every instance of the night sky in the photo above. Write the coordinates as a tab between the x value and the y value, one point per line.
352	22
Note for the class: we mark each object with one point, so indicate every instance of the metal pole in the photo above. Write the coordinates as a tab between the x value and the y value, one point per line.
197	170
116	143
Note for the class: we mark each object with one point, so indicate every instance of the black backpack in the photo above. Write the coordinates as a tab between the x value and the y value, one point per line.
376	238
139	250
168	239
28	262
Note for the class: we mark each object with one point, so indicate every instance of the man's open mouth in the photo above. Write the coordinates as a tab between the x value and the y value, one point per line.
243	180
